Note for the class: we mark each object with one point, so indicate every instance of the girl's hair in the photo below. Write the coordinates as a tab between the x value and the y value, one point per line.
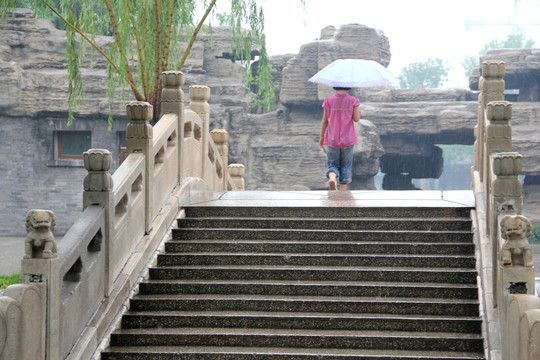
342	88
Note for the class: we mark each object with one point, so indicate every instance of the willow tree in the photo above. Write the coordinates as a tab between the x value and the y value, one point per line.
146	39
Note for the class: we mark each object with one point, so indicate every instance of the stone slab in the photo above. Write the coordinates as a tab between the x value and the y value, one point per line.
458	198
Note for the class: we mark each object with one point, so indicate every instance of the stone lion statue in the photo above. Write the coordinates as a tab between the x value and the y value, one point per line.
40	240
516	250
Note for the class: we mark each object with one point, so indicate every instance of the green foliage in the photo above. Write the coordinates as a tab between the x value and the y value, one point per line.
267	89
223	19
6	280
147	35
535	237
421	75
515	40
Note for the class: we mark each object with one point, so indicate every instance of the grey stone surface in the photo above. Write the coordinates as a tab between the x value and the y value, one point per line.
11	254
34	179
316	282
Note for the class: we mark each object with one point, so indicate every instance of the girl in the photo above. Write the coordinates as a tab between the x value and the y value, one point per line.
339	135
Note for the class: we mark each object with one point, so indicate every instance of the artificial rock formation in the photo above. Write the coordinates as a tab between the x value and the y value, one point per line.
400	128
349	41
522	72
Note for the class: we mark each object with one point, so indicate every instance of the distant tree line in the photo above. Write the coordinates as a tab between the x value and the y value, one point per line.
433	72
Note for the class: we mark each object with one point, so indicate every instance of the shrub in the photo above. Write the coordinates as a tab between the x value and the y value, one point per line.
535	237
6	280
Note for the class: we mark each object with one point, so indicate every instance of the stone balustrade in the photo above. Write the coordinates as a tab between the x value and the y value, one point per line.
72	289
511	305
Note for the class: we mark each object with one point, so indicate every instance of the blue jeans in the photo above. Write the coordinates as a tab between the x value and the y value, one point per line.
340	163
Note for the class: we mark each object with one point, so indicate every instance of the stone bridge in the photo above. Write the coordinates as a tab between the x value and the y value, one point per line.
72	293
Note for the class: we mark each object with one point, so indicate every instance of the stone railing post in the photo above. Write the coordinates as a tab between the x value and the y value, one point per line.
221	138
237	171
498	138
172	101
491	86
41	266
504	197
199	104
98	186
23	322
139	138
516	274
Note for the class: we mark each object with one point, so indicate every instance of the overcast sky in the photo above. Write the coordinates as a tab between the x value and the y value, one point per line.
416	29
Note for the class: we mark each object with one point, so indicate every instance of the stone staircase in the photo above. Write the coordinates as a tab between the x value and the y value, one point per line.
303	283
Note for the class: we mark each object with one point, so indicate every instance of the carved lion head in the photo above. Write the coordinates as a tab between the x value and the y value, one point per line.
40	219
515	227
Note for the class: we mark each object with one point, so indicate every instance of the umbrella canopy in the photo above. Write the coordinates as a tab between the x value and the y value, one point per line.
354	73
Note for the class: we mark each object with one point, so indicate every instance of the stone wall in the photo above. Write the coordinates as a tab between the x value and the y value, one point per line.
33	179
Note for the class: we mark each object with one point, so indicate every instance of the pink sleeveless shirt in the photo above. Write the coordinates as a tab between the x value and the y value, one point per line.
340	132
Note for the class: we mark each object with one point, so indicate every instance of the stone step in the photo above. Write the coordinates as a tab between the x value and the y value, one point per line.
321	235
306	283
322	304
427	224
298	259
264	353
309	288
311	273
384	340
326	212
314	246
279	320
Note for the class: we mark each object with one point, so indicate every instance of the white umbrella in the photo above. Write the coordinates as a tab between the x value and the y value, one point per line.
354	73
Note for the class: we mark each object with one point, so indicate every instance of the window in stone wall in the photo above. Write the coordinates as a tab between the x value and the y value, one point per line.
72	144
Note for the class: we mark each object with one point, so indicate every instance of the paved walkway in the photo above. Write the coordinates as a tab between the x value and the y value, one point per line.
11	254
458	198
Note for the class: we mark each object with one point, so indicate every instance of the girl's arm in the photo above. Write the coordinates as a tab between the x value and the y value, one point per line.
356	114
324	125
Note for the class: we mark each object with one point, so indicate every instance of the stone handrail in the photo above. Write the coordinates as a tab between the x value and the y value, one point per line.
72	290
511	307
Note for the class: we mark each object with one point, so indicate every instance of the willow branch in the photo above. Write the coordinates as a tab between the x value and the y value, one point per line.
157	41
168	34
118	39
95	46
195	33
140	51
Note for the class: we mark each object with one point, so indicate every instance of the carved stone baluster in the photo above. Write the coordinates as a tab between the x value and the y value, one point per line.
172	101
491	86
199	104
98	163
139	138
498	138
237	171
98	186
507	189
221	138
41	267
139	132
504	198
516	274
